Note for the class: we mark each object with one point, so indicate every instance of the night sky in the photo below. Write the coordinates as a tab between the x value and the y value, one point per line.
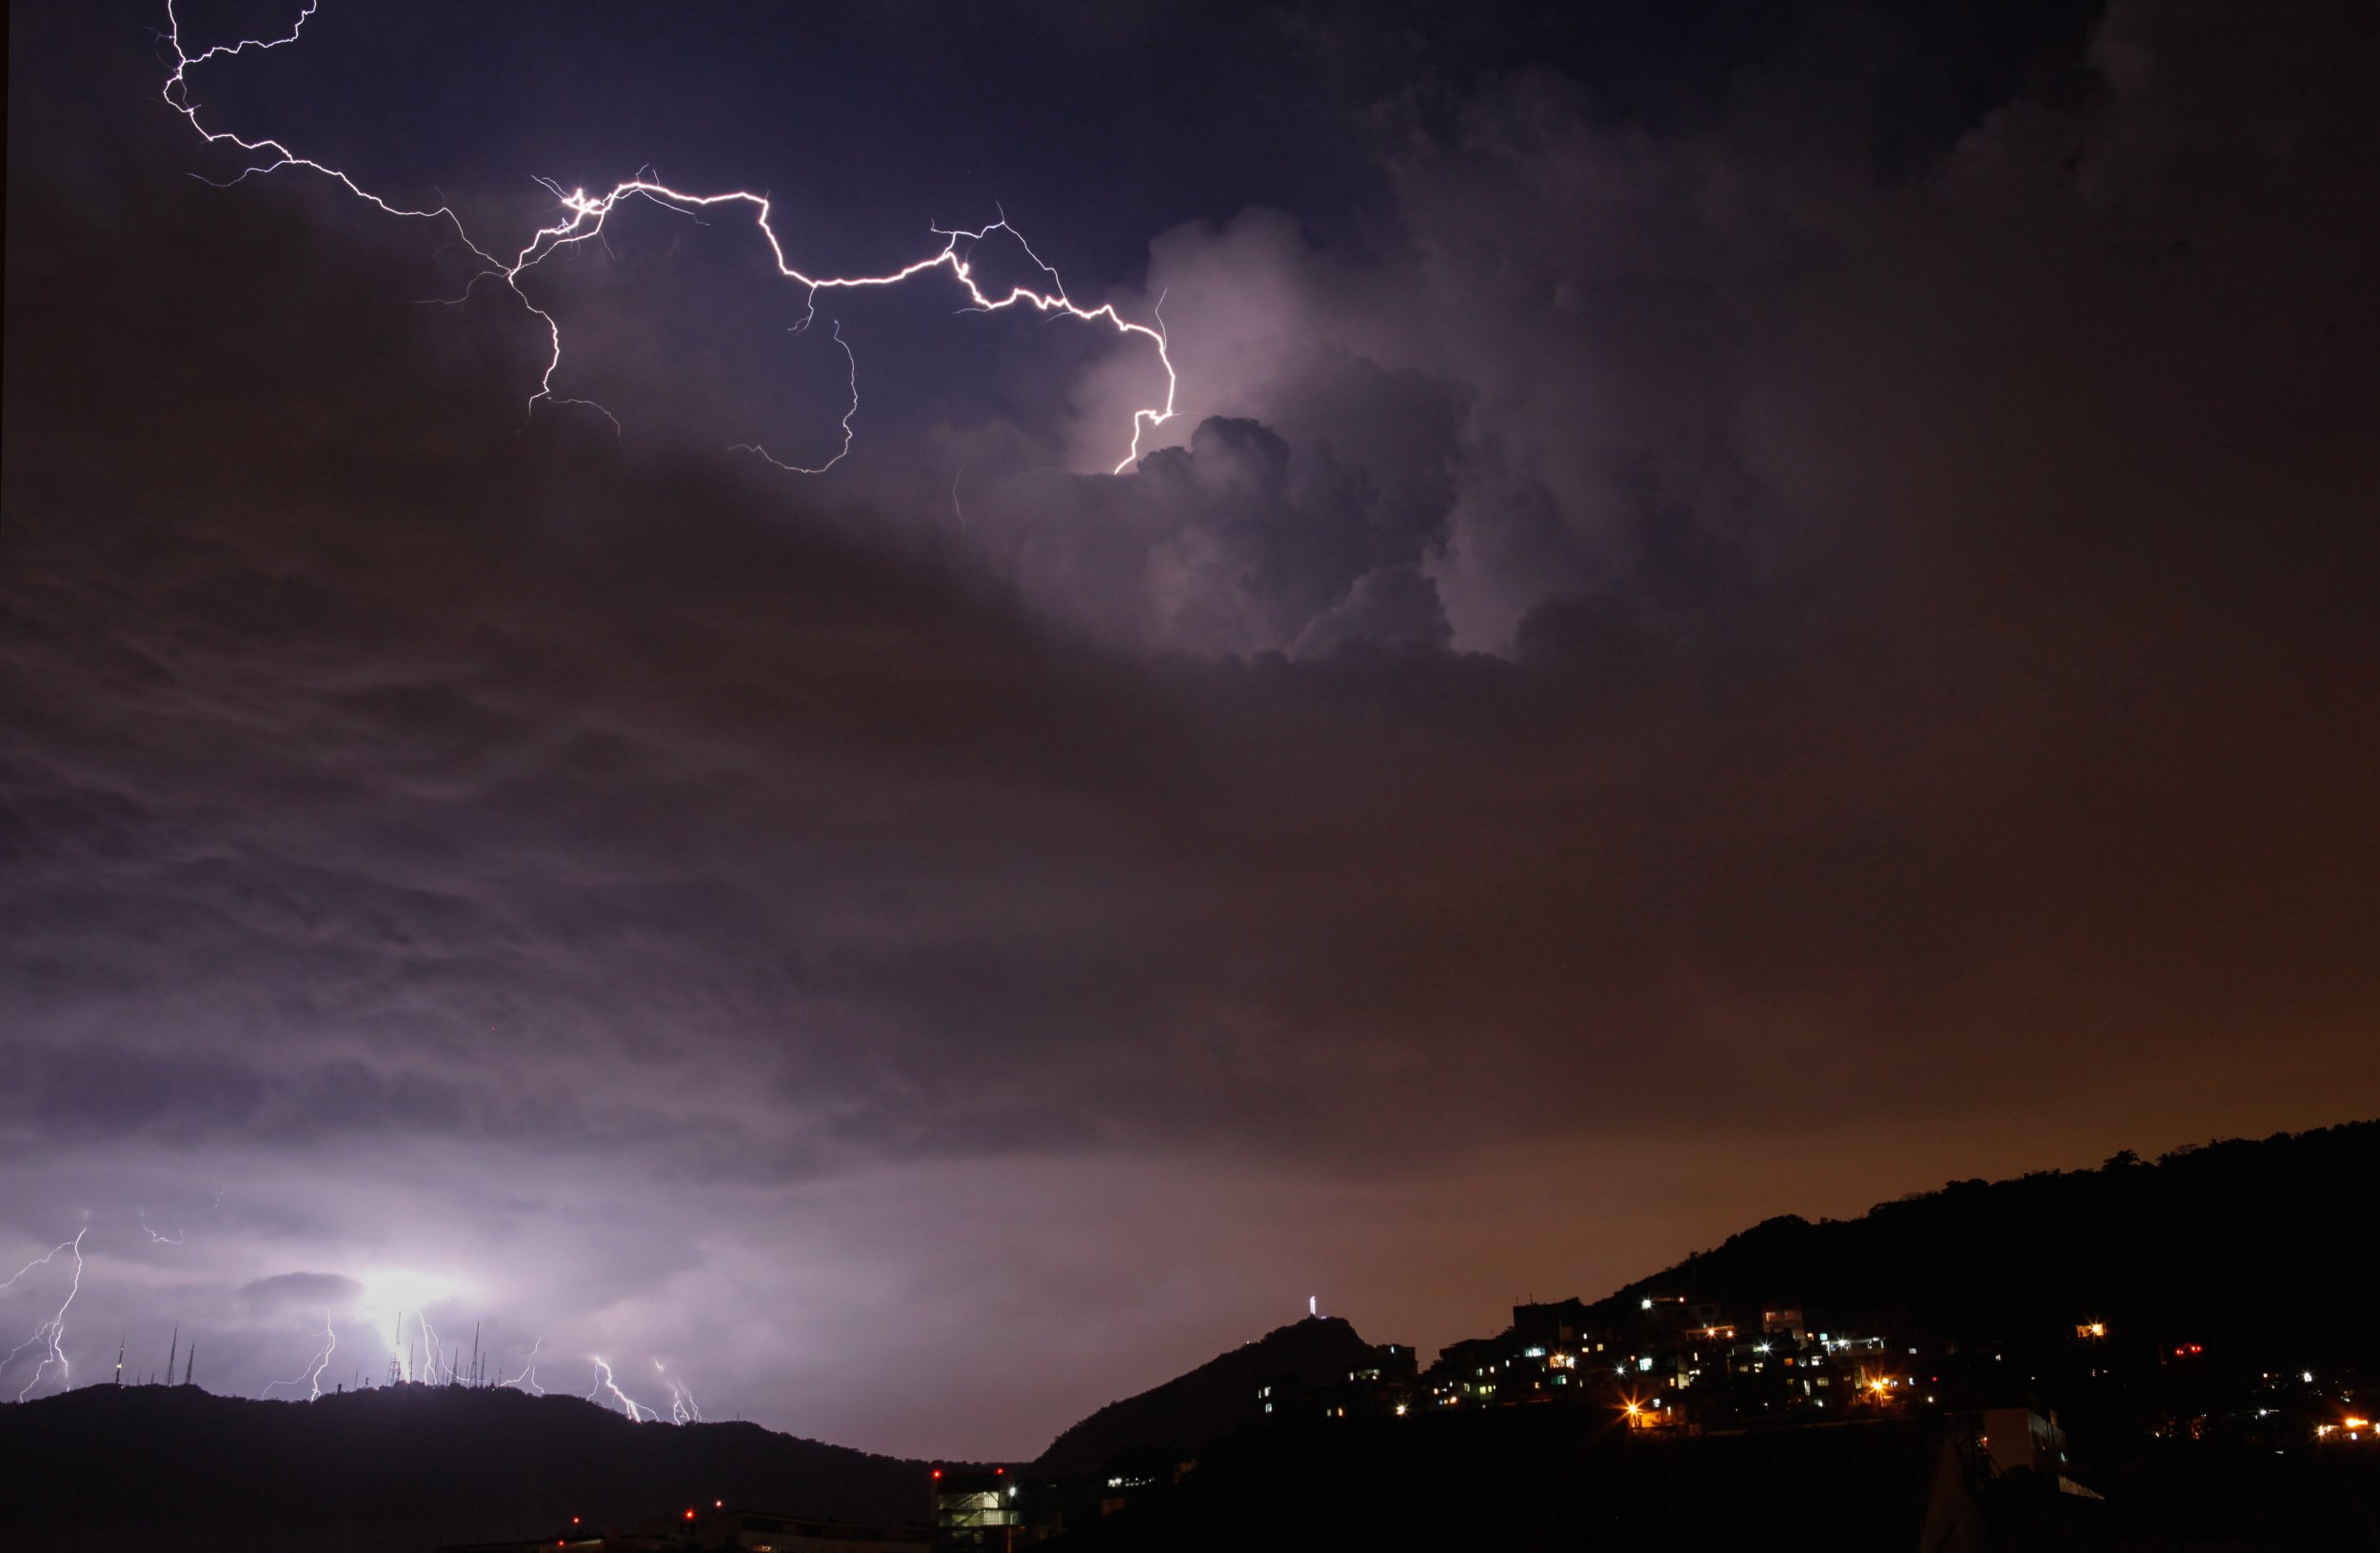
1751	607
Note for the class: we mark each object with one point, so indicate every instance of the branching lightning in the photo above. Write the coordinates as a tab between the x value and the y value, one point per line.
155	1239
851	408
636	1411
311	1377
683	1407
583	217
50	1334
41	1260
527	1380
435	1355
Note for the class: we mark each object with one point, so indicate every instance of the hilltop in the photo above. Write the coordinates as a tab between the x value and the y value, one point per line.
1190	1411
2260	1245
396	1469
2251	1249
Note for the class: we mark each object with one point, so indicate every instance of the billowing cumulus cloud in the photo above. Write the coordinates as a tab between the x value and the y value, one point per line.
1686	363
1231	545
1697	670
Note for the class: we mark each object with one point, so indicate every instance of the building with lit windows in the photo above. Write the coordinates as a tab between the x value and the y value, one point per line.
976	1509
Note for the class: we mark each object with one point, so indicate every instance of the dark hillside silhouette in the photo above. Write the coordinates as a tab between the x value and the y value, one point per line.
394	1470
1191	1411
2263	1247
2246	1247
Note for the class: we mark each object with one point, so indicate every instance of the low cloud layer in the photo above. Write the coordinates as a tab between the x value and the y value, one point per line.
305	1292
1692	643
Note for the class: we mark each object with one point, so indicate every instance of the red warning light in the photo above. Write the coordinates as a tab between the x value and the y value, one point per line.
938	1472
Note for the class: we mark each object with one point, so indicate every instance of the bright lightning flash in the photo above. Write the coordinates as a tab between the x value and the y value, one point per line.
50	1334
527	1380
435	1349
682	1408
636	1411
584	215
311	1377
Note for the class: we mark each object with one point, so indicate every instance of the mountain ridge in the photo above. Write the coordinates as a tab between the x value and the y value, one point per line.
2236	1240
399	1469
1198	1406
2236	1244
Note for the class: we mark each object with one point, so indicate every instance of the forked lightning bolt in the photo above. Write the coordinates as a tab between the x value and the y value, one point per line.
434	1365
584	215
41	1260
311	1377
51	1333
682	1408
636	1410
527	1380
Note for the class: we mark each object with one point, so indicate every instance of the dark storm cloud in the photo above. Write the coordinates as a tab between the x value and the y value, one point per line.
1683	362
1697	628
1229	545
